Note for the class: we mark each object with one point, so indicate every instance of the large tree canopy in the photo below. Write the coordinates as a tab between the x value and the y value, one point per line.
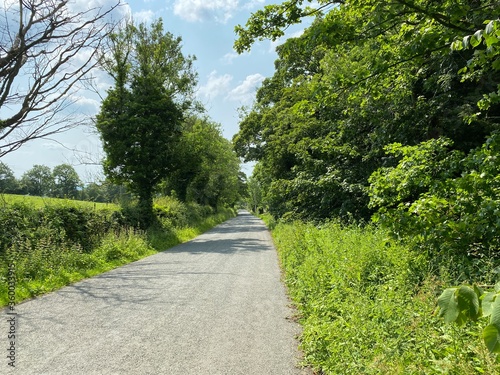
140	120
362	76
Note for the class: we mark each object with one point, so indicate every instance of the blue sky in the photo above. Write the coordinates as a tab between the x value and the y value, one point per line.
227	81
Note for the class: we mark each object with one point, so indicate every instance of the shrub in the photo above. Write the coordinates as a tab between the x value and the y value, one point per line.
127	245
442	201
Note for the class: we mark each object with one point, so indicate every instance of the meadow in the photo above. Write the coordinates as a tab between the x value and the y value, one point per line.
39	202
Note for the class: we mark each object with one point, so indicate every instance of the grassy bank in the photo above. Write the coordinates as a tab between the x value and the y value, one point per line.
368	305
57	244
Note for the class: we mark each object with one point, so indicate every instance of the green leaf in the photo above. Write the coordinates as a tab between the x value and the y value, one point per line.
457	45
468	304
475	39
448	305
497	287
495	313
496	64
491	337
487	303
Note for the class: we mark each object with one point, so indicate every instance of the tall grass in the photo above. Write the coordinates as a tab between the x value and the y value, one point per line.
367	305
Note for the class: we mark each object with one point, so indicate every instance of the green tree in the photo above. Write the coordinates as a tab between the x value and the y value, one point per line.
140	120
254	194
362	76
8	182
66	181
207	168
37	181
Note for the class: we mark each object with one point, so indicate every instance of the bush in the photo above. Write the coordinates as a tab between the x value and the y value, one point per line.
442	201
125	246
80	226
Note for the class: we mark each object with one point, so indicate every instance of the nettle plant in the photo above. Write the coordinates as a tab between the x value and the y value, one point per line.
470	303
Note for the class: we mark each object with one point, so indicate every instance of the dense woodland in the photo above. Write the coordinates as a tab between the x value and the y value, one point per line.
382	110
380	129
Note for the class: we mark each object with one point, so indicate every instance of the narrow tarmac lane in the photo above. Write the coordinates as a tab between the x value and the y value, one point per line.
211	306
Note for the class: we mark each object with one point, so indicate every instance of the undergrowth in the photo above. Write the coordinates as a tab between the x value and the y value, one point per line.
367	305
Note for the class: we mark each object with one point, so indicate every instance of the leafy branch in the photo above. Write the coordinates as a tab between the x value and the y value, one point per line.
465	303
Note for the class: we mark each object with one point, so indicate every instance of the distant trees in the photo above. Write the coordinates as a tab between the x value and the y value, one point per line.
38	181
206	167
66	181
61	182
54	44
8	182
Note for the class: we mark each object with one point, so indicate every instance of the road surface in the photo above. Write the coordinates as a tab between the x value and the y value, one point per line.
212	306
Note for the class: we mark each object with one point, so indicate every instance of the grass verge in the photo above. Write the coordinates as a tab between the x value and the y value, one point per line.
368	305
52	263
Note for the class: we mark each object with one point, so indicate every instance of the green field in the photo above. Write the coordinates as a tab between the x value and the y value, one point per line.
38	202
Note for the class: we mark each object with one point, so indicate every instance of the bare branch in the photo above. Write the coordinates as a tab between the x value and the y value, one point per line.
51	53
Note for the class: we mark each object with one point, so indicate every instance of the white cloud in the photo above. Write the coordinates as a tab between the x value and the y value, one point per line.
254	4
216	85
202	10
53	146
86	105
279	41
104	5
144	16
228	58
245	92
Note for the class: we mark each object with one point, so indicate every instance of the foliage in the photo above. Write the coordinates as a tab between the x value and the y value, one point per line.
440	201
8	182
66	181
364	75
140	120
80	226
484	60
464	303
207	168
366	304
254	194
37	181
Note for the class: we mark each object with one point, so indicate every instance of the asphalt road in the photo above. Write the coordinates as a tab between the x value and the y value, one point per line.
211	306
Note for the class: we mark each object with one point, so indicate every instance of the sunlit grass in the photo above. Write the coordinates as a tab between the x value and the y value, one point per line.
39	202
